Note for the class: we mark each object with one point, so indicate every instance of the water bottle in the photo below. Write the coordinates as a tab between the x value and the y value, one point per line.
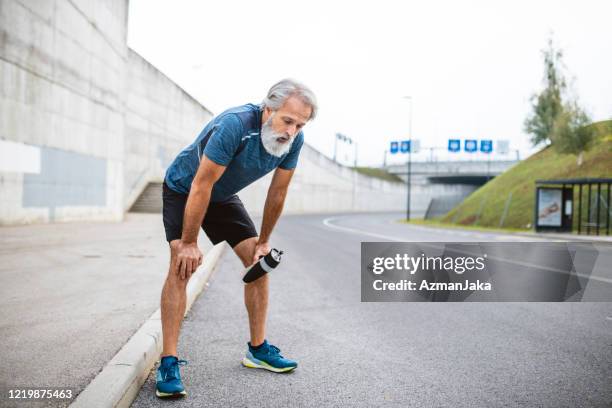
265	264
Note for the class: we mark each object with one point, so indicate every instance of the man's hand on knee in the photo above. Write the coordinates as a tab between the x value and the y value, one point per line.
188	258
261	249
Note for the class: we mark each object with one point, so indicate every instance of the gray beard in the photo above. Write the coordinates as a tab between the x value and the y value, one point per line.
268	139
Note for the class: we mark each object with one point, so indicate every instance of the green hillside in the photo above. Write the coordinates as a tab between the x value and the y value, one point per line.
485	206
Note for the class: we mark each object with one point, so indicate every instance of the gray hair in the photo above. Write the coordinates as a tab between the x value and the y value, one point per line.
281	91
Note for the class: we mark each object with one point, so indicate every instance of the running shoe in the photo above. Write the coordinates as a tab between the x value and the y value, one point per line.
169	383
269	358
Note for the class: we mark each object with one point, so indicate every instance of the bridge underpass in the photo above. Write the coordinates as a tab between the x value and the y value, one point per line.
438	186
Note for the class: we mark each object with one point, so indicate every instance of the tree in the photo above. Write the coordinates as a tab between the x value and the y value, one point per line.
564	124
548	104
571	131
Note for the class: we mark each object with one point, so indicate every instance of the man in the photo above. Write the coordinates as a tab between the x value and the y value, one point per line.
236	148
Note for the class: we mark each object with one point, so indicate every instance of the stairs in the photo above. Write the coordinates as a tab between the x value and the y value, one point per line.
439	206
150	200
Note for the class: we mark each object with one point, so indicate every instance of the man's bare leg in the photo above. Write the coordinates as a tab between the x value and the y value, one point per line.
173	304
255	293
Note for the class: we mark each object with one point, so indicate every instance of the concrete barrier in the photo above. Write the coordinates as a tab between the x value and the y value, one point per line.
90	123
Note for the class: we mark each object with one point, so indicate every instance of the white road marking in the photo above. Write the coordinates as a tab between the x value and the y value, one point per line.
327	223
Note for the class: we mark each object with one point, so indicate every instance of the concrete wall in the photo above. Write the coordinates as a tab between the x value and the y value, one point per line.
62	71
86	123
160	119
320	185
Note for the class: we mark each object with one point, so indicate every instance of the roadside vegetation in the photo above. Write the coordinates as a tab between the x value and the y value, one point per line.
571	147
515	188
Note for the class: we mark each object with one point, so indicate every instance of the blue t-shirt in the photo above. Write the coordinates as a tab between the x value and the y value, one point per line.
231	139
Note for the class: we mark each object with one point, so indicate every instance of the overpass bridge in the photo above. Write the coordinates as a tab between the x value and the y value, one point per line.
475	172
437	186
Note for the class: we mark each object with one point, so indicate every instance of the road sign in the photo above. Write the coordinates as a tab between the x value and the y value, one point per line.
486	146
405	146
454	145
394	147
503	146
470	145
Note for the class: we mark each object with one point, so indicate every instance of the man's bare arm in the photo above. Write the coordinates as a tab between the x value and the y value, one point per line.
273	208
188	254
199	197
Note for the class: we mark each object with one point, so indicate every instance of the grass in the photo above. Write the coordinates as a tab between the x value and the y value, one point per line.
379	173
485	206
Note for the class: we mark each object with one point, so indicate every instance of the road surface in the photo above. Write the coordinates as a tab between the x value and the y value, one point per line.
387	354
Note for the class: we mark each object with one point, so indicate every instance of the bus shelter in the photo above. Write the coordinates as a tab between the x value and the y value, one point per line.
567	205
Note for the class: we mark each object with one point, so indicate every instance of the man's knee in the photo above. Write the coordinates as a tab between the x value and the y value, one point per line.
173	275
245	249
174	247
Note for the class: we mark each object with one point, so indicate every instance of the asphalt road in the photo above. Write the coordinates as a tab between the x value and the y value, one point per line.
387	354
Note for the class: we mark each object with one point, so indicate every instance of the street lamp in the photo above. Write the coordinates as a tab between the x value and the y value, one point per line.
409	159
338	136
346	139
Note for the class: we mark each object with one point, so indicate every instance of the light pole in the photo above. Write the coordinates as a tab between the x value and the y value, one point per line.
346	139
409	159
338	135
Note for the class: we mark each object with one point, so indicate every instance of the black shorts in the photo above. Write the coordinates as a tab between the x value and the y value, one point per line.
224	221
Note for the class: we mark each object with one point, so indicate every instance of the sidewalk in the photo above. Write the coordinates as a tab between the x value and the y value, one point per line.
73	294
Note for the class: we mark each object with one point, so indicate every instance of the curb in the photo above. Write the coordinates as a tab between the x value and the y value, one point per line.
118	384
570	237
542	235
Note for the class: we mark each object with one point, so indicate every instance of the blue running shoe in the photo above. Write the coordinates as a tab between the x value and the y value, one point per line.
169	383
268	357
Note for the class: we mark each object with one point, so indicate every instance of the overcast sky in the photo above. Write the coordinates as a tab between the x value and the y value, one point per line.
469	66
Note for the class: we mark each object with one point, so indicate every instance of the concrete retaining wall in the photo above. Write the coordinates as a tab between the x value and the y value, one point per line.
62	67
320	185
160	119
86	123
